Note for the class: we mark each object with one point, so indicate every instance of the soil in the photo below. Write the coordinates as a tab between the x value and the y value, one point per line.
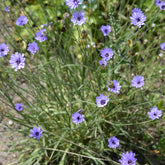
6	137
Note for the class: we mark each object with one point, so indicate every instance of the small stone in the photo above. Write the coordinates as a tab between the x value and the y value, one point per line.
10	123
14	155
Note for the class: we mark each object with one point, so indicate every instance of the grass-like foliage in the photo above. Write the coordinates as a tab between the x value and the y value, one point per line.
88	111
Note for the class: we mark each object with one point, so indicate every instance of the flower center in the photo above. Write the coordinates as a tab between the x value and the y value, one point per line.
2	50
113	142
78	18
106	55
106	31
129	161
103	102
78	118
154	114
20	107
37	133
138	19
18	61
163	7
138	82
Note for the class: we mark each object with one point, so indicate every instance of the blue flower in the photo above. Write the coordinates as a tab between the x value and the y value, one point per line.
155	113
113	142
138	17
4	49
128	158
162	5
73	3
17	61
106	29
78	18
102	100
106	54
33	47
36	133
138	81
7	8
19	106
77	118
40	35
22	20
158	2
113	86
162	46
103	63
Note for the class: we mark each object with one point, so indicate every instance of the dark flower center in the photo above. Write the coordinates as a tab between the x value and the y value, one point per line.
20	107
129	161
78	18
106	31
138	19
138	82
155	114
106	55
78	118
103	102
37	133
18	61
113	142
163	7
102	64
2	50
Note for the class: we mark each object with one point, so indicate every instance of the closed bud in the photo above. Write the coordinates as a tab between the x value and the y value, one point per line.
86	2
68	104
145	41
153	25
147	92
23	45
84	34
66	15
51	27
137	54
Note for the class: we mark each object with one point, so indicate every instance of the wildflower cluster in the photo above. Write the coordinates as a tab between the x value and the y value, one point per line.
114	87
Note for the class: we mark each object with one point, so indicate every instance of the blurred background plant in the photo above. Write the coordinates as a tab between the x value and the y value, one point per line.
65	76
